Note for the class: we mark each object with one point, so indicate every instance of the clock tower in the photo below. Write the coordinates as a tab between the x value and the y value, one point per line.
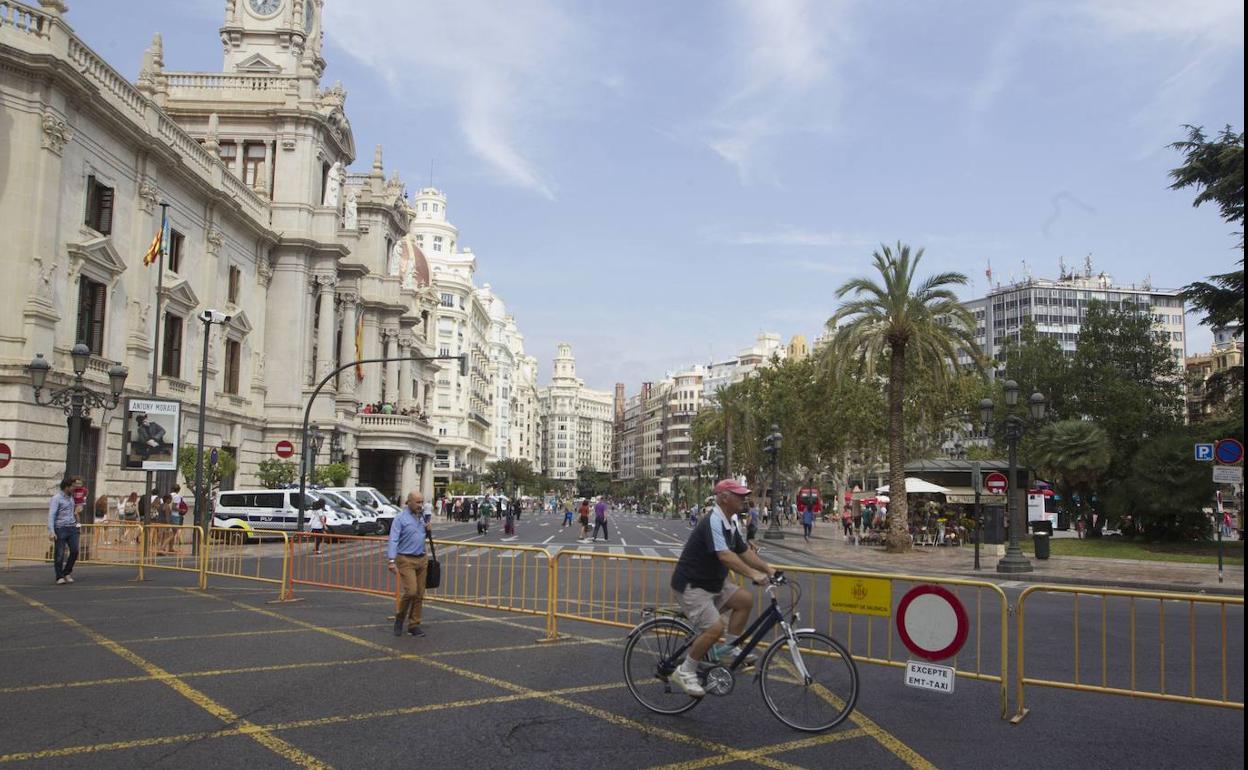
276	37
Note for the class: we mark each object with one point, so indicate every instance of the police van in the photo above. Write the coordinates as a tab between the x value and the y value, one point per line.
274	509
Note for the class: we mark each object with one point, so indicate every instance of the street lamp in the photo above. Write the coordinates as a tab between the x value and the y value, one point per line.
771	446
209	318
1014	425
316	439
76	399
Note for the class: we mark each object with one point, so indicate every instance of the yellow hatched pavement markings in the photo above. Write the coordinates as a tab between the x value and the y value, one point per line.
761	751
256	733
723	751
165	740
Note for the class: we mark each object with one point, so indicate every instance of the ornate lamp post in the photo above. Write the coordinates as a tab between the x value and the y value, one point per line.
771	446
1014	426
76	399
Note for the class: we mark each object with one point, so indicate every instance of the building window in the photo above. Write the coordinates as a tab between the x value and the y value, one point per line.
99	207
233	354
176	241
228	153
424	206
437	243
435	208
253	159
448	300
171	355
91	298
236	277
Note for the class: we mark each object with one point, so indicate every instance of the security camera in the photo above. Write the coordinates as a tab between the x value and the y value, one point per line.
214	317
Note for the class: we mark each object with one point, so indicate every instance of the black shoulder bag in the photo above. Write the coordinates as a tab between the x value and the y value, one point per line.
433	570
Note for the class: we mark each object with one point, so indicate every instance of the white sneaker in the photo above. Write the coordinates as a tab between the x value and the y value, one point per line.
60	581
68	579
688	681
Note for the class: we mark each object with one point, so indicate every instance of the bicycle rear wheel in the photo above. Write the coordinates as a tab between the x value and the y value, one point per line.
649	660
823	697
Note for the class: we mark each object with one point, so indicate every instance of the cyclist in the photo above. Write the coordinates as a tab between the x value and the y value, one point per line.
700	580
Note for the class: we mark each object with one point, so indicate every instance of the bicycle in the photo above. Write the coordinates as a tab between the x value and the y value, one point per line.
802	671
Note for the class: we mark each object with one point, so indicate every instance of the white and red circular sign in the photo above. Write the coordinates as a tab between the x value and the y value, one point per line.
284	448
932	622
6	455
996	483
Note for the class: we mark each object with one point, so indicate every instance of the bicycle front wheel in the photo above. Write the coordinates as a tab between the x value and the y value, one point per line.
811	686
650	661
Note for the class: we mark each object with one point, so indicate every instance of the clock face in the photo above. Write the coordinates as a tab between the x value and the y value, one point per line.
265	7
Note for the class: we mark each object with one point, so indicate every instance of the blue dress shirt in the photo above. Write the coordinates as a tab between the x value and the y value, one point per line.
407	534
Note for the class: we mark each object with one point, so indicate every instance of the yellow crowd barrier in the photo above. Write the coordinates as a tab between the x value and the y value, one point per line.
1149	636
170	547
344	562
113	544
232	553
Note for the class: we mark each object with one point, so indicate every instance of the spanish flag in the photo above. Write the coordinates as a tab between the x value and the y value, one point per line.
160	243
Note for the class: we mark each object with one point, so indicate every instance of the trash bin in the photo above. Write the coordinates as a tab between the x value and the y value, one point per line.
1041	542
1042	525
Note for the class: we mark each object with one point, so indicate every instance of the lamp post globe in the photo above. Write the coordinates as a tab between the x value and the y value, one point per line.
81	354
38	369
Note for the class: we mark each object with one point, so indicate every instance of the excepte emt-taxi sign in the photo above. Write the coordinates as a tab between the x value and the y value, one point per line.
864	596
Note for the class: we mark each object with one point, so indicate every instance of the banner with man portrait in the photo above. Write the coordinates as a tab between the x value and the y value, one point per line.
151	434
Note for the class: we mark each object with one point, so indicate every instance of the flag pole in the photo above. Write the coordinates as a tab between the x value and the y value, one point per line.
146	501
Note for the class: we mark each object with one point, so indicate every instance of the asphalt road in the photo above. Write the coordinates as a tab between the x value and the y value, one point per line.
111	673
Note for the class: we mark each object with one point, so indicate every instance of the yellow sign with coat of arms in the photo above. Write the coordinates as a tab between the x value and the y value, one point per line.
864	596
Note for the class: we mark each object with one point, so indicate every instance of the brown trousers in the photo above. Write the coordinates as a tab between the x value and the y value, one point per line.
412	576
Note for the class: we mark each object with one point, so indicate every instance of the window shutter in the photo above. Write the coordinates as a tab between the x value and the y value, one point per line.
97	318
104	202
84	310
88	217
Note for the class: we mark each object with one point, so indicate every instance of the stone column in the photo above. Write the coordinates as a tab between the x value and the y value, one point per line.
408	478
392	370
238	158
403	396
270	178
325	331
426	477
309	334
346	380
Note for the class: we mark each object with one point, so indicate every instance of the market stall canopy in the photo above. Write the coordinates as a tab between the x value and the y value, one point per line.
916	486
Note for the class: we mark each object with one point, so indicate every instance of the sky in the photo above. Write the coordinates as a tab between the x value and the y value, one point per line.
657	182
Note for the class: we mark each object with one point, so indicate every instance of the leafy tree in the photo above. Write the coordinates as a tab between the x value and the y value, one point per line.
1166	492
511	475
590	483
331	475
1075	454
1215	168
273	473
461	487
1036	362
224	467
919	321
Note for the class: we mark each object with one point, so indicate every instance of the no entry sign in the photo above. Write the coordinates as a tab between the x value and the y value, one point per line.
6	455
995	483
284	448
932	622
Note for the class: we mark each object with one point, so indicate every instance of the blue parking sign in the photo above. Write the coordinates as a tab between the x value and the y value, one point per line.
1204	453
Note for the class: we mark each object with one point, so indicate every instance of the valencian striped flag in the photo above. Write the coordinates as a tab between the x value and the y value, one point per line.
160	243
359	347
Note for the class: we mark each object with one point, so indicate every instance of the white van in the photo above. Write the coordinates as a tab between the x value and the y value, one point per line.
277	509
370	497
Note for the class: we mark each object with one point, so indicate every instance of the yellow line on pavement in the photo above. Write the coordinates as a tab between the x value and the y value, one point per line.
139	743
266	739
777	748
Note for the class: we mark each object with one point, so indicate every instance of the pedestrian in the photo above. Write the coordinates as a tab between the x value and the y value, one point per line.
847	523
808	521
317	525
165	532
63	529
406	552
427	511
600	520
751	530
584	518
567	514
509	523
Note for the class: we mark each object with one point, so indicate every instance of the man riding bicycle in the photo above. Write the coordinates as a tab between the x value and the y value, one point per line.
700	580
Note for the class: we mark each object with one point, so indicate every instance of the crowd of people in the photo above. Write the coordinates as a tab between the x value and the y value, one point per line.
386	407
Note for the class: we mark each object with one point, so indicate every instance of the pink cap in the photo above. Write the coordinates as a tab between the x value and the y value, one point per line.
732	485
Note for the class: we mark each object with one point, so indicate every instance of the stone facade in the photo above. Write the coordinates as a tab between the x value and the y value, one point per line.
577	423
270	229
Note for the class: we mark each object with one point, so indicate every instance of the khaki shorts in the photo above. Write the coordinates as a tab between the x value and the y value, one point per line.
702	607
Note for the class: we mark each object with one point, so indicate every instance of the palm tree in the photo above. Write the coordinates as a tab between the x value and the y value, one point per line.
1076	454
922	320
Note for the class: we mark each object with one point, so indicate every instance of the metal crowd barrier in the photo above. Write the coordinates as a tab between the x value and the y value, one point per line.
231	553
1059	660
170	547
611	589
113	544
344	562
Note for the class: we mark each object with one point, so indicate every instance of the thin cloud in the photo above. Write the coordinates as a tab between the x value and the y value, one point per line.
794	236
500	72
790	51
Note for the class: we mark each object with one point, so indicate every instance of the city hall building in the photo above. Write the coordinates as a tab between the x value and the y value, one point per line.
315	266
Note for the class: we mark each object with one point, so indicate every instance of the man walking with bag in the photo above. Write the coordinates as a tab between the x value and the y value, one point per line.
406	553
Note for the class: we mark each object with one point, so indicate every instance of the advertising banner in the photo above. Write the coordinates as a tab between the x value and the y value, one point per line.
151	435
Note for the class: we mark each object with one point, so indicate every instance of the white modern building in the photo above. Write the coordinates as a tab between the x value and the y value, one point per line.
1059	307
577	423
721	374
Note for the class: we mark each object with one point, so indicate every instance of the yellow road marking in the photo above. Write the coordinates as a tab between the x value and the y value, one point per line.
776	748
268	740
